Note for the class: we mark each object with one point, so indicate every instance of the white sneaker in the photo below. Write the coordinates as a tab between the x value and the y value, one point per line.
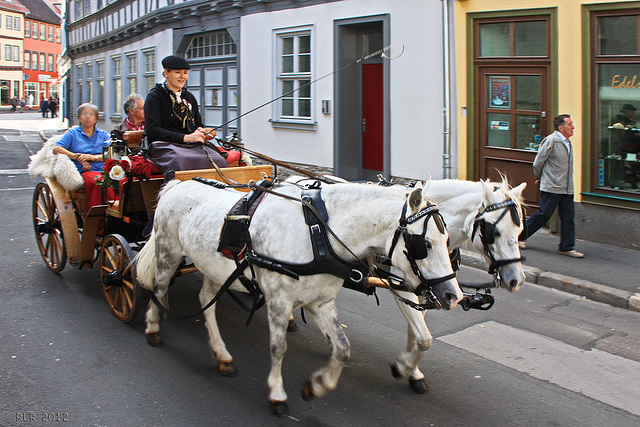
572	253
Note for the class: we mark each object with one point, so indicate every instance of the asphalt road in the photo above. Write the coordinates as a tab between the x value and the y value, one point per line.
538	357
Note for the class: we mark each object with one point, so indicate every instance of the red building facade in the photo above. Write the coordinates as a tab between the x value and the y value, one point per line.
42	50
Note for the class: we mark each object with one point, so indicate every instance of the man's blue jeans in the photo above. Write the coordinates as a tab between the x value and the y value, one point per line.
548	204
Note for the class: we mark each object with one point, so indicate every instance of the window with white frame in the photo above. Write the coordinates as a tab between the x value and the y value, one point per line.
16	24
27	29
16	53
43	61
7	52
34	60
27	60
294	76
149	69
9	25
50	37
116	63
132	72
43	31
100	85
58	35
34	31
88	68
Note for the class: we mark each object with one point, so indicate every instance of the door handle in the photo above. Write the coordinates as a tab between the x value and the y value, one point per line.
364	125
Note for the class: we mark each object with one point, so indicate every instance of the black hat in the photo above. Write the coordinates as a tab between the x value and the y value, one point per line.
173	62
628	107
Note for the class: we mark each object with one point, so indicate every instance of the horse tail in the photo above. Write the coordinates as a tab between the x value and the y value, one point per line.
145	262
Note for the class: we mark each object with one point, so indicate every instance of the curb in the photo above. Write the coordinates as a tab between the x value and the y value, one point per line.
593	291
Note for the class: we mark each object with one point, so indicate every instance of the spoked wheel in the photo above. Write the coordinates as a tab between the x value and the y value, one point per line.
123	294
46	222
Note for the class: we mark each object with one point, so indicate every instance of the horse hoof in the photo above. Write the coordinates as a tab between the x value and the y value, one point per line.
394	371
292	327
307	390
228	369
419	386
279	409
154	339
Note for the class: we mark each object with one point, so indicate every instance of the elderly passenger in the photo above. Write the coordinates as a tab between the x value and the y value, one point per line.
134	109
174	126
83	144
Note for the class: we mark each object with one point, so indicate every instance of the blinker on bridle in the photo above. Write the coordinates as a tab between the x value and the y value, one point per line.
488	233
417	248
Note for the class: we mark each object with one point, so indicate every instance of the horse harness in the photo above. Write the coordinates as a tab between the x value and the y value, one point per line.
488	232
235	242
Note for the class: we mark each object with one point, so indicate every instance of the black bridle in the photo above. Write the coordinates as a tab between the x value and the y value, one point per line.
416	248
488	233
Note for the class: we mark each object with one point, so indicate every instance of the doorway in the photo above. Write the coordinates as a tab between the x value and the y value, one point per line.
361	94
513	119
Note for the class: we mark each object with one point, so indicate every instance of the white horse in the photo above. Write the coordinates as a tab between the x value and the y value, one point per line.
464	204
188	221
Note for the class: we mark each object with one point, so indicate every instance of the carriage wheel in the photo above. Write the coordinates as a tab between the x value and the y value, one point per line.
48	228
123	294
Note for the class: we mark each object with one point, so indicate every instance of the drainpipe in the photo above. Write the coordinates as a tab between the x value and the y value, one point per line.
446	110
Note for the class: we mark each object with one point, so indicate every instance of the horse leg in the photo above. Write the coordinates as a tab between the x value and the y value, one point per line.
278	315
326	379
291	326
217	345
166	264
419	340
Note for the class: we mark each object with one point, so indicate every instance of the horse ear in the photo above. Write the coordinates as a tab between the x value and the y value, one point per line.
517	191
488	191
415	199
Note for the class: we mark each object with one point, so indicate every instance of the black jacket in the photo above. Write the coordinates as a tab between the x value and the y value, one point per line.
160	122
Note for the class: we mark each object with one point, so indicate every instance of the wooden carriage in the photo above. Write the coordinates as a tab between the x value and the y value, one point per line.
67	231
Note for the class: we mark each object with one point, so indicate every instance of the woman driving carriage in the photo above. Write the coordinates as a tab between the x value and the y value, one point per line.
173	124
83	144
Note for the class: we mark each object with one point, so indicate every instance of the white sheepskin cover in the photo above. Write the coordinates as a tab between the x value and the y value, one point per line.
57	166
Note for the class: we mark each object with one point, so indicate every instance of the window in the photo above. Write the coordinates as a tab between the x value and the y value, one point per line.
27	29
9	25
50	28
78	94
34	61
16	53
27	60
117	84
7	52
217	43
88	67
87	7
615	61
43	59
294	76
100	85
43	30
149	70
34	31
16	24
132	73
50	63
58	35
521	38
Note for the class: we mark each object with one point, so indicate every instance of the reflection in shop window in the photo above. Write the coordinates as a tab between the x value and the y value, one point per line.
618	128
618	35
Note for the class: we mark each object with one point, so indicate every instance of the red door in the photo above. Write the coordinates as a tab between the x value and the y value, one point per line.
372	118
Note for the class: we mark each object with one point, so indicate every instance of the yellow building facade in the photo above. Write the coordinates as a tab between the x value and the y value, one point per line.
11	51
519	63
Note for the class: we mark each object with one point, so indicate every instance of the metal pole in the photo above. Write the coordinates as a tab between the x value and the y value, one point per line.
446	110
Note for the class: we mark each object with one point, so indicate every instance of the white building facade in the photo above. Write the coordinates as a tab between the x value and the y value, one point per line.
382	115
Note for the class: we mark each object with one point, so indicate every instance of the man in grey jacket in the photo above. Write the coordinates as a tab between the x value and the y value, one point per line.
553	166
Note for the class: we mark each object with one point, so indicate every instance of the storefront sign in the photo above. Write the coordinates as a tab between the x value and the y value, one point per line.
497	125
499	92
625	82
44	77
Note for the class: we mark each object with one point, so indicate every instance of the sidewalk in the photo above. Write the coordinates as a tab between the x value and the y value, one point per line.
607	273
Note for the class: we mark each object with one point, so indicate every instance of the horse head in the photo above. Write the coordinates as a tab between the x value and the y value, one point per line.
497	228
425	258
